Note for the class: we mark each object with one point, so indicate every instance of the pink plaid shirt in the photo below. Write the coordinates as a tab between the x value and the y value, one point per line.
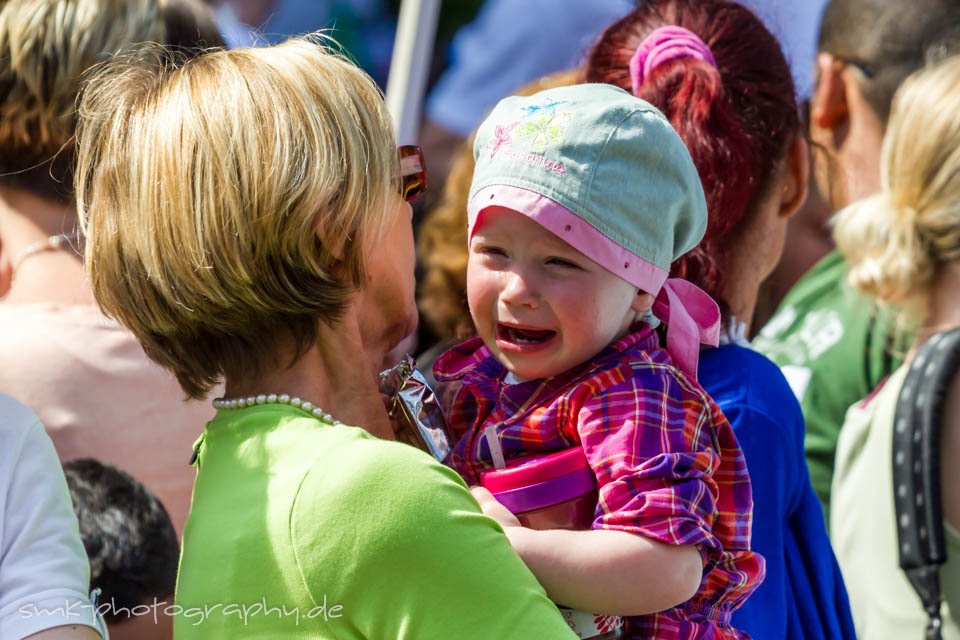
667	463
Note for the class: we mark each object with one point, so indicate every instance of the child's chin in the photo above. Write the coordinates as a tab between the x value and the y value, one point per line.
525	372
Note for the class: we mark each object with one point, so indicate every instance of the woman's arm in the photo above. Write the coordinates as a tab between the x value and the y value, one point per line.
602	571
67	632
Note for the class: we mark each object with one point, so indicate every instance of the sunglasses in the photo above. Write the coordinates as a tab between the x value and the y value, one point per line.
413	172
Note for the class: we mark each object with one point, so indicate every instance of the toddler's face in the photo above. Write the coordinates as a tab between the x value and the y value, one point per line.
541	306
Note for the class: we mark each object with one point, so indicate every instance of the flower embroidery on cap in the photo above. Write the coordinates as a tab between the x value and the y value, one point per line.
544	130
501	136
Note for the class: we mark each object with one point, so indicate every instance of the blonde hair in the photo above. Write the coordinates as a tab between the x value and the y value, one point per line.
45	46
228	202
896	240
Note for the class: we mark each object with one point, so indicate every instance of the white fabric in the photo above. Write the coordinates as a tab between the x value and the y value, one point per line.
44	572
734	331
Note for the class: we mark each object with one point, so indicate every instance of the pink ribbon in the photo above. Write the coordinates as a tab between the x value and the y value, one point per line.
663	45
692	318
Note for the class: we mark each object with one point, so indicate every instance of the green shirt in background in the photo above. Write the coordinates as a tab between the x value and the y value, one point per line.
300	529
834	346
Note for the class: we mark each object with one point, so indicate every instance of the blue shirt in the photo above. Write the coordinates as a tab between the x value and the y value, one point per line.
803	595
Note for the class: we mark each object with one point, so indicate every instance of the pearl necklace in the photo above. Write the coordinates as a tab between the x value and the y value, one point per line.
53	243
273	398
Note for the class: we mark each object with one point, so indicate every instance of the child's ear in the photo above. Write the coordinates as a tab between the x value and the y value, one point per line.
642	302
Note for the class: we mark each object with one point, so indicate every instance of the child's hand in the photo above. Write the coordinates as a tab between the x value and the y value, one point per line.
494	509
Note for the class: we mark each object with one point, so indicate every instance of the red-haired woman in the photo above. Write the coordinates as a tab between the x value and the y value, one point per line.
721	78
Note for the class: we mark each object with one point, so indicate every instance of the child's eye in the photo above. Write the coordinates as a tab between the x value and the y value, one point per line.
487	250
563	262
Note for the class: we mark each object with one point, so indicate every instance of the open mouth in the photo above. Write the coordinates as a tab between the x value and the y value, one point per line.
522	337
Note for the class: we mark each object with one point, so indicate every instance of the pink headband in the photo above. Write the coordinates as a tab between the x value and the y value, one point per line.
663	45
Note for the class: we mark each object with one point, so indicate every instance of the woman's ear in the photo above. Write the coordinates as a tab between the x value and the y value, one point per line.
796	178
642	302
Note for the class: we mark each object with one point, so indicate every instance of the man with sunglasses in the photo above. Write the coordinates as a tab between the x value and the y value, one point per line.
832	345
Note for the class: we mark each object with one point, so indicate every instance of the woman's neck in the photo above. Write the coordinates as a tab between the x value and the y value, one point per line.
740	294
34	273
330	375
942	304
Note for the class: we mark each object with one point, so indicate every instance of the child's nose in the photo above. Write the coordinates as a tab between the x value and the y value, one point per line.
520	291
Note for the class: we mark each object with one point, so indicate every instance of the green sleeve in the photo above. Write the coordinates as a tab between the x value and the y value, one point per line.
834	347
419	560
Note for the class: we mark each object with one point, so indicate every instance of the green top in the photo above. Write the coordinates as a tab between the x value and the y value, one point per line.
300	529
834	347
864	529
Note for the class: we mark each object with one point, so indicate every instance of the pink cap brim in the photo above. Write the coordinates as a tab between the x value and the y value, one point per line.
570	228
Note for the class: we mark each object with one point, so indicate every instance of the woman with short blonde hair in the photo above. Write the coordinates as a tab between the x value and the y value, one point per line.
903	248
304	151
243	220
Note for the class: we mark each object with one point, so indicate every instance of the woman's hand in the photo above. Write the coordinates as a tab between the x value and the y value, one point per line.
494	509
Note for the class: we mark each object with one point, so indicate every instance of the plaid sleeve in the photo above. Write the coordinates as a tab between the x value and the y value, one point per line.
650	439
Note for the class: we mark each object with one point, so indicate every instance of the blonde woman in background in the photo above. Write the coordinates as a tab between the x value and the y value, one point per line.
903	247
255	234
84	375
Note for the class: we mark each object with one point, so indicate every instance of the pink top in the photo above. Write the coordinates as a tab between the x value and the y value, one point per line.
98	395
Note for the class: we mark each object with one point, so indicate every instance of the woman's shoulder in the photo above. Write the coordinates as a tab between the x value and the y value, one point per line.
756	398
740	360
738	376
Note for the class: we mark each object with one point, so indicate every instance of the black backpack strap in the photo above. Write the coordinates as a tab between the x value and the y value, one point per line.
916	469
